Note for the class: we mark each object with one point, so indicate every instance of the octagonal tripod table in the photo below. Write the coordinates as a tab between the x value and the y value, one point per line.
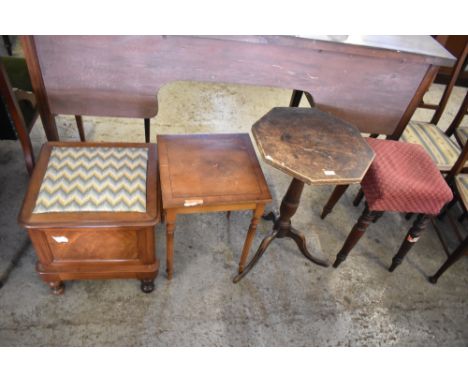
314	147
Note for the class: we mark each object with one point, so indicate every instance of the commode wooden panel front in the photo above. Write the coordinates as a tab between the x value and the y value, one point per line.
94	244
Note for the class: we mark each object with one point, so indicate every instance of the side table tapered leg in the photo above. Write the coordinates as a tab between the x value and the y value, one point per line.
250	235
283	228
170	228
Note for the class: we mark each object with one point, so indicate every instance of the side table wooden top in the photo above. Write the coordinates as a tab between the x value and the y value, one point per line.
209	169
312	146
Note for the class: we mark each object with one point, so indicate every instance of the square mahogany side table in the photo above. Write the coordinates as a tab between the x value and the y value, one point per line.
210	173
90	211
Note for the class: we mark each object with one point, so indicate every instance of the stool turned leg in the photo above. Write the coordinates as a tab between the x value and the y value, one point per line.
170	228
358	198
461	250
412	237
257	213
334	197
356	233
57	287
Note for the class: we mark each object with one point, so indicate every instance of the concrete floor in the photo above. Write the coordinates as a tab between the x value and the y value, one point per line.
284	301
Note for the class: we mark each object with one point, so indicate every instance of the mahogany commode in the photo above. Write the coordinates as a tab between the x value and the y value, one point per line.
210	173
90	210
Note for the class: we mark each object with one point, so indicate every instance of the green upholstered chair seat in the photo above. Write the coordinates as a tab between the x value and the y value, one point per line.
94	179
441	148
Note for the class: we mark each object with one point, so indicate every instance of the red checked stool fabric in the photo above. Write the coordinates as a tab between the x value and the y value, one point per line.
403	178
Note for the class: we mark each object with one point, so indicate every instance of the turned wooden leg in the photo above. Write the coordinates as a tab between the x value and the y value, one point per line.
79	125
356	233
170	228
358	198
334	197
257	213
147	285
147	130
57	287
461	250
412	237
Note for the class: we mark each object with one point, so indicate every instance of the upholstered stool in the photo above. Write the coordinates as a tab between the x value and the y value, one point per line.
90	211
402	178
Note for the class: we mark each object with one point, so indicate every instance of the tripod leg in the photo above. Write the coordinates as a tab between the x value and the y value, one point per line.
260	251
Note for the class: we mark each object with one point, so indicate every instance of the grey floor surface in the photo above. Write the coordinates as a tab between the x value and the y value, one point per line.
284	301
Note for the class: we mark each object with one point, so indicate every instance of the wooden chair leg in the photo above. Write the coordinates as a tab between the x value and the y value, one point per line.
461	250
334	197
412	237
170	228
79	125
358	198
147	130
356	233
257	213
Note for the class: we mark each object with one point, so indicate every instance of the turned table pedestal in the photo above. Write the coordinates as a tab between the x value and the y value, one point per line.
314	147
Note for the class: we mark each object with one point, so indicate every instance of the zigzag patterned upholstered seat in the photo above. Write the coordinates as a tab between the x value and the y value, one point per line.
94	179
443	150
403	178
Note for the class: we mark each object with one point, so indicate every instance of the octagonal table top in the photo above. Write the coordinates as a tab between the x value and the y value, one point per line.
312	146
